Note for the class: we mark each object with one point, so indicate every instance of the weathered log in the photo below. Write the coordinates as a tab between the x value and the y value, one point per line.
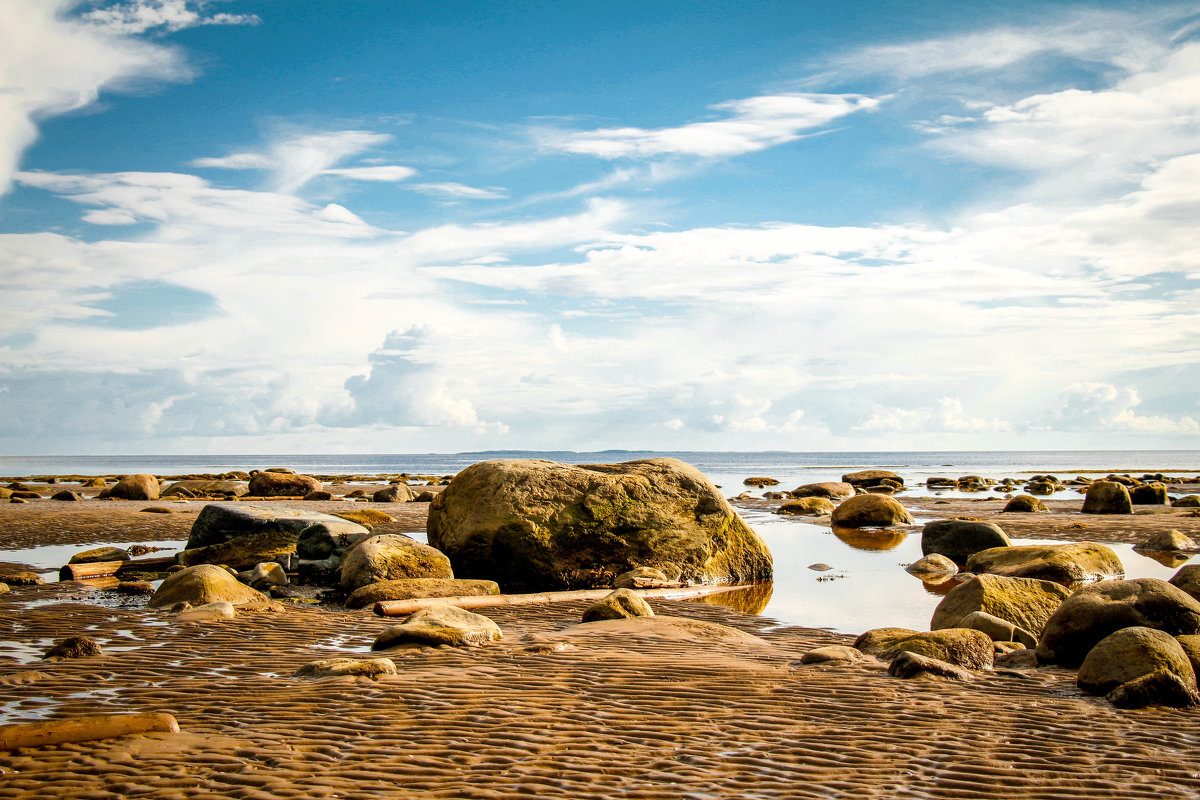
402	608
84	729
95	569
157	564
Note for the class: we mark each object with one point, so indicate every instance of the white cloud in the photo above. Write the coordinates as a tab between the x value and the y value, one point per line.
1105	407
294	159
947	416
457	191
51	64
169	15
750	124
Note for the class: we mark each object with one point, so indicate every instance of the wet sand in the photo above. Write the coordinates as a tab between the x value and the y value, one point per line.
542	714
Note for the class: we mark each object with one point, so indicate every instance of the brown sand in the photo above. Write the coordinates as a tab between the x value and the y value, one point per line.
611	713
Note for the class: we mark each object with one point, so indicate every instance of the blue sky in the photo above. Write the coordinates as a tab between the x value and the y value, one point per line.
326	226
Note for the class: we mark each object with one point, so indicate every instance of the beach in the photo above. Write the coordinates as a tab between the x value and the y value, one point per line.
719	707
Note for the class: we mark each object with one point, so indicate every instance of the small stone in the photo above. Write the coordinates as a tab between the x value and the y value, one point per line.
912	665
620	604
156	510
834	653
932	564
209	612
820	567
135	588
343	667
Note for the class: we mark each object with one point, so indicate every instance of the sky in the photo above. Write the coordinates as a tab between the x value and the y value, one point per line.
300	226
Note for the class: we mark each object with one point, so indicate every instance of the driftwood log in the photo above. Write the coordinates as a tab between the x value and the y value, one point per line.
402	608
84	729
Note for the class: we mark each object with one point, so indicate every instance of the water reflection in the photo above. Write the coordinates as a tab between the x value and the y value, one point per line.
752	599
1168	558
939	585
871	538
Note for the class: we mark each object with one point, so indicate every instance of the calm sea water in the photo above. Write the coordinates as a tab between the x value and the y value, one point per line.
867	586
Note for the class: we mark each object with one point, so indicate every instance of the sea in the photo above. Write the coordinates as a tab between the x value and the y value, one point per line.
822	580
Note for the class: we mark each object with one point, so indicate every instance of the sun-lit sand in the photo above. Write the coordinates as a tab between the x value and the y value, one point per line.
612	711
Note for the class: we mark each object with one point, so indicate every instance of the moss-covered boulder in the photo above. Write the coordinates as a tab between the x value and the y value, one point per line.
99	554
535	525
870	511
962	647
877	640
412	588
1071	563
201	585
1095	611
1024	504
389	557
807	507
1131	653
1024	602
1107	497
959	539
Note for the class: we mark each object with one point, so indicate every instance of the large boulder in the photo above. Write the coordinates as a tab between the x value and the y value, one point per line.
962	647
532	524
438	625
1095	611
281	484
243	535
959	539
1072	563
133	487
871	477
877	640
389	557
1024	602
201	585
411	588
831	490
1107	497
1149	494
870	511
1131	653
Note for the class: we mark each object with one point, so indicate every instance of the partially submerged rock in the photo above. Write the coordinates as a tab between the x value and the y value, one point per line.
807	507
620	604
100	554
201	585
390	556
831	490
959	539
871	477
437	625
410	588
870	511
535	525
1107	497
1095	611
14	575
1024	602
934	564
1071	563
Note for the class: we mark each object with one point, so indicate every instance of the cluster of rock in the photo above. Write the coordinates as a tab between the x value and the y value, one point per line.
1136	642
